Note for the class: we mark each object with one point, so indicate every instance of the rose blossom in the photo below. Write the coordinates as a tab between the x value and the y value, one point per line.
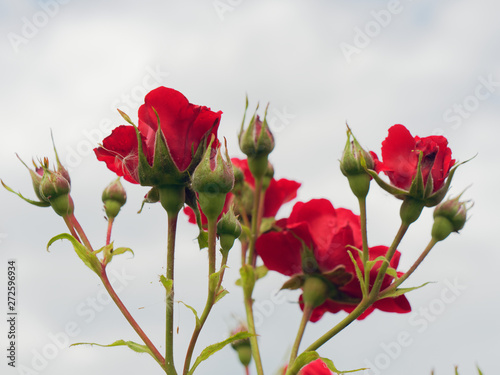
400	154
315	240
184	128
316	367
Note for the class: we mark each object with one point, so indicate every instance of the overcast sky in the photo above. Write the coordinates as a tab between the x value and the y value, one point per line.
430	65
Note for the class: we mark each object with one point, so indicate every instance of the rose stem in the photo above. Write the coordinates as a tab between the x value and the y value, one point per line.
110	227
156	354
251	261
366	301
71	228
169	319
212	238
80	231
306	315
399	281
364	235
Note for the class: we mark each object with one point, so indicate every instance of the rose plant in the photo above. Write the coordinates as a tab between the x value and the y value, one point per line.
322	250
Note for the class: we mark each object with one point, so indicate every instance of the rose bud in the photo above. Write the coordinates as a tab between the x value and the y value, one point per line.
55	188
212	179
228	230
355	160
114	197
256	142
239	180
449	216
242	347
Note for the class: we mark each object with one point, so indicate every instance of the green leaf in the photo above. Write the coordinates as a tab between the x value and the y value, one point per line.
213	280
122	250
392	272
301	361
359	274
267	224
479	370
87	256
132	345
194	312
167	283
214	348
400	291
203	239
330	365
260	272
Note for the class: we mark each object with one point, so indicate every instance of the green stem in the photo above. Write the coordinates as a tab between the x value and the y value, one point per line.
253	339
169	319
399	281
360	309
364	236
212	238
255	221
156	354
367	301
306	315
383	268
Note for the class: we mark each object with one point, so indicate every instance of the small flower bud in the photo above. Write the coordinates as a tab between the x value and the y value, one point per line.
449	216
114	197
242	347
256	142
315	291
228	230
212	179
239	180
353	163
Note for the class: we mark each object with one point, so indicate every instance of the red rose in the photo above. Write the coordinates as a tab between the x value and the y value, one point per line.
184	128
328	233
278	193
316	367
400	154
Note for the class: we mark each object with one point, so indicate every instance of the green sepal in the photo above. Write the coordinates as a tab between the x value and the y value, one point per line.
167	283
400	291
87	256
295	282
399	193
331	366
214	348
125	117
30	201
220	294
198	322
267	224
138	348
359	274
109	252
202	239
338	276
417	185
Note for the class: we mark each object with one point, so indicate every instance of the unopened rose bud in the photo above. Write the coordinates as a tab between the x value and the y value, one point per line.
55	189
114	197
256	142
228	230
353	164
212	179
242	347
449	216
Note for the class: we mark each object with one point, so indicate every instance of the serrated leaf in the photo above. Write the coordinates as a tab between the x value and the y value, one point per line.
214	348
359	274
138	348
194	312
400	291
330	365
88	257
221	294
167	283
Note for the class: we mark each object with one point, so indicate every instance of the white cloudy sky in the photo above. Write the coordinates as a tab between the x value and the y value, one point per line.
433	66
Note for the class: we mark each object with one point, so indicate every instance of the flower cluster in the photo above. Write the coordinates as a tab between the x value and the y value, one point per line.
321	248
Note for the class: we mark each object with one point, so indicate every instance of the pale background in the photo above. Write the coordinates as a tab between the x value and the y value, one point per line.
417	62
